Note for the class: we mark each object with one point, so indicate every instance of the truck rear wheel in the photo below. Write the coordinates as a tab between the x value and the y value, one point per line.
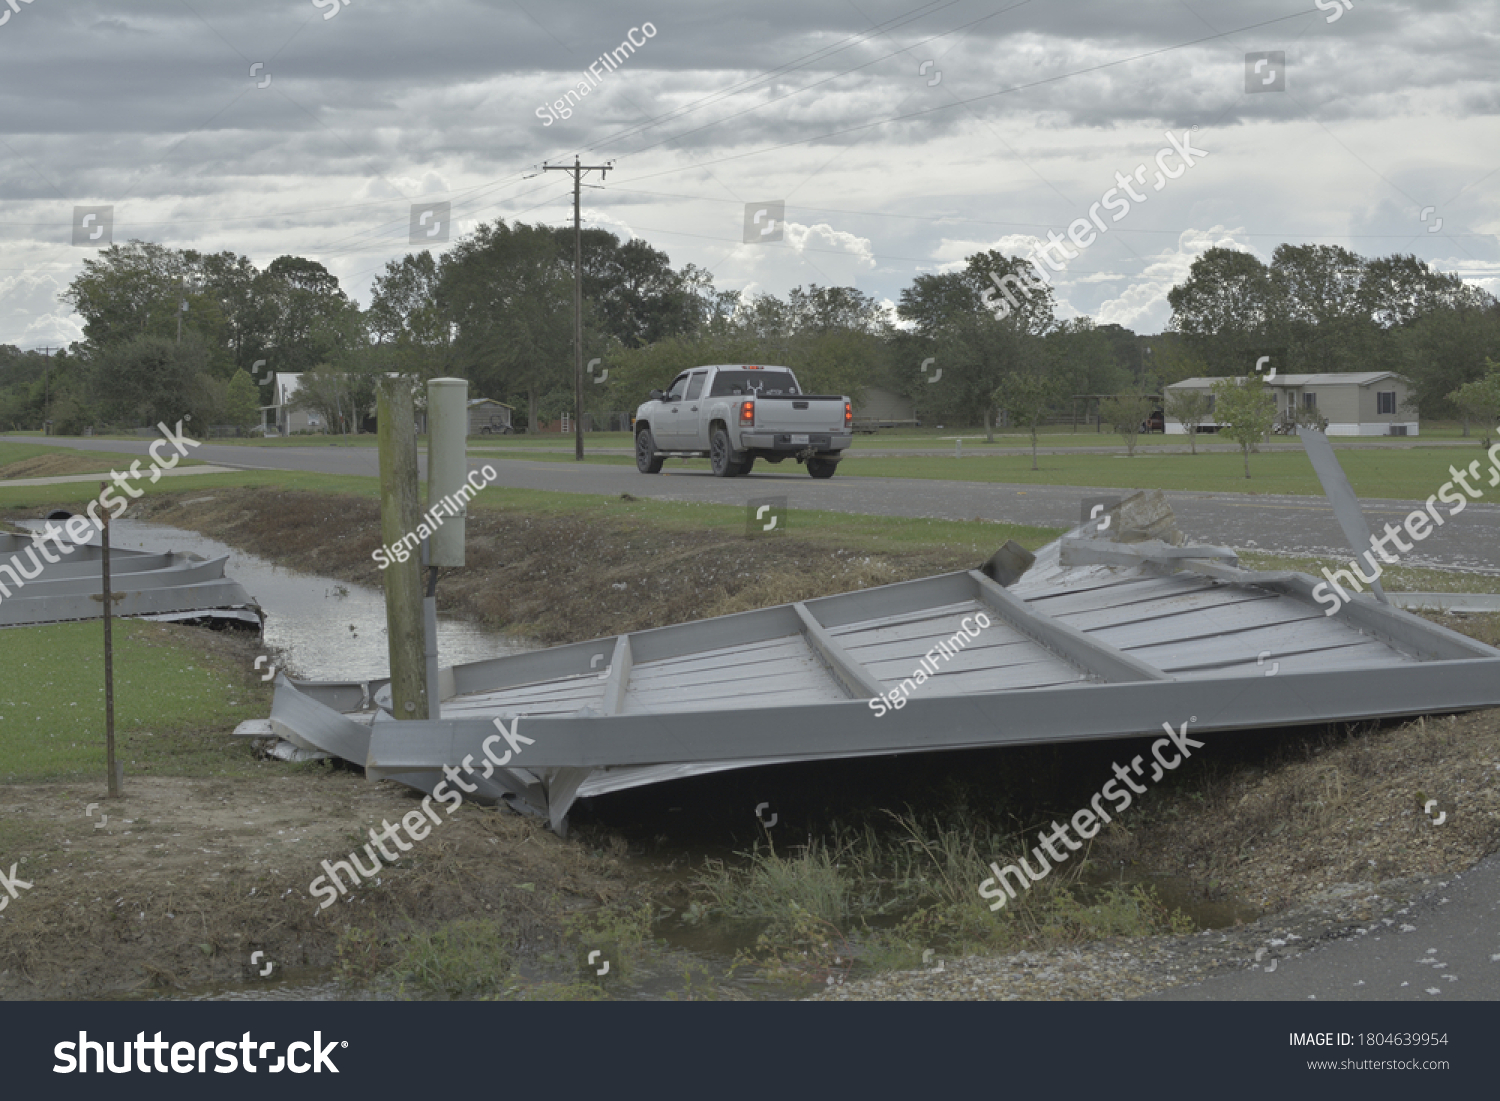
721	454
821	468
647	461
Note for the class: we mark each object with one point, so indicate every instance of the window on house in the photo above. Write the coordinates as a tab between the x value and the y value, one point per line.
1385	401
1309	401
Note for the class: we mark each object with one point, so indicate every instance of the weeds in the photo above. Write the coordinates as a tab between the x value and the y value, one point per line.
817	903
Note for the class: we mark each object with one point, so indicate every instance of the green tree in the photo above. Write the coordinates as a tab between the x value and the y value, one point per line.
1319	308
407	319
1224	307
1480	398
979	325
1027	397
1446	348
150	379
1125	414
1190	408
307	313
508	292
630	290
1245	409
242	404
334	396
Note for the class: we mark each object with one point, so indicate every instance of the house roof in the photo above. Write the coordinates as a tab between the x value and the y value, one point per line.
1347	378
487	401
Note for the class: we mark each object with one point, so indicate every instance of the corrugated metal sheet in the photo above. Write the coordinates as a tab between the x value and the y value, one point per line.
146	585
1099	640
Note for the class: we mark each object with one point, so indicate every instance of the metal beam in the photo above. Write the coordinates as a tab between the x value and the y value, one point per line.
1066	641
853	677
926	724
1341	496
618	678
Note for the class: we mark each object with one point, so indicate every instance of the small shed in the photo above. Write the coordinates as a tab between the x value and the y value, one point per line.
882	408
488	417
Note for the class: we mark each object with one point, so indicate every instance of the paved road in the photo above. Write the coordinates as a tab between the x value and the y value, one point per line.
1443	947
1272	523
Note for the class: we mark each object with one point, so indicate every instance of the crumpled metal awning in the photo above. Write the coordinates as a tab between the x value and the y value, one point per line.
148	585
1108	635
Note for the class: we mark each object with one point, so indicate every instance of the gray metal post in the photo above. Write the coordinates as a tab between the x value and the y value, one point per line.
429	634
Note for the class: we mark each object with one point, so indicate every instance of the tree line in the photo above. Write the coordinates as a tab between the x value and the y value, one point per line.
170	332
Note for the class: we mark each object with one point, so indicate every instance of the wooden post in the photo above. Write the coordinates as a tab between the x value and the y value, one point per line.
109	658
400	515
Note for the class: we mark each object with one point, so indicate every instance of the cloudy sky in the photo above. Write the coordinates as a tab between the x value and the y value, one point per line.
899	138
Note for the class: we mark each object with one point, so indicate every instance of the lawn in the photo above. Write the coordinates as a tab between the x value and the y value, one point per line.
175	703
1403	473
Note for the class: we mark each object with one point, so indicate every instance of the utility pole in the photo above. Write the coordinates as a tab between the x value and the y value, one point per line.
181	305
47	389
578	170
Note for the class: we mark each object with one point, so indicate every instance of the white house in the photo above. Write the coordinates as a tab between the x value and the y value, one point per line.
1357	403
278	418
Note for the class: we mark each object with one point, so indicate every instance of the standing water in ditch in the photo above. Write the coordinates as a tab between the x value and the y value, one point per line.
325	629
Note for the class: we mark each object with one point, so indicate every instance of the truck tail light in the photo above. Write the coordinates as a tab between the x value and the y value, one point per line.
848	414
747	412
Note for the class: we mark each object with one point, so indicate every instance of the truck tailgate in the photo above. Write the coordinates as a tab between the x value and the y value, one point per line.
799	413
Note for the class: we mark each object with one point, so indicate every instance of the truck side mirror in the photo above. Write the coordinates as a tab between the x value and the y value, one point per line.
657	395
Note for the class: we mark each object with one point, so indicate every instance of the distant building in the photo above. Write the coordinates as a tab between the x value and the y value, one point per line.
881	408
279	418
1359	403
488	417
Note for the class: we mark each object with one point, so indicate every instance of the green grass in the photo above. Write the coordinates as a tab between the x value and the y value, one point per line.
1063	435
1405	473
1396	473
13	452
174	706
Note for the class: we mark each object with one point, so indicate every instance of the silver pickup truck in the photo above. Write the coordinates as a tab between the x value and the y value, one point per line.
737	413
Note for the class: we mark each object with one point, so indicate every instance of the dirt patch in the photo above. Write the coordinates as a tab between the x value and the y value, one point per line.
188	878
553	579
51	466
